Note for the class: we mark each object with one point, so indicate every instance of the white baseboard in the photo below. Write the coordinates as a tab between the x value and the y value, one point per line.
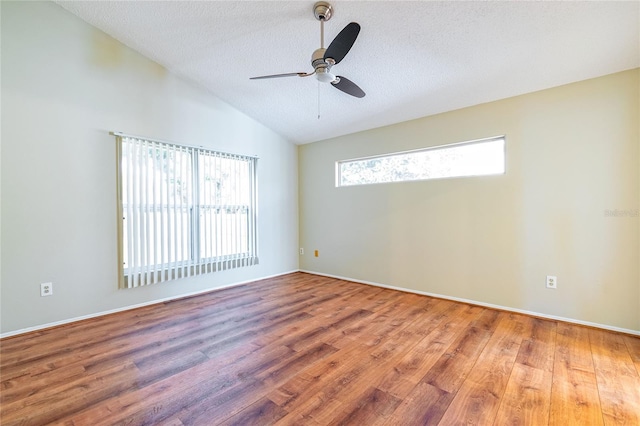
486	305
139	305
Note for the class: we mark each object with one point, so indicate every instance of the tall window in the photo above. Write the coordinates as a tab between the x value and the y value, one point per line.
185	211
474	158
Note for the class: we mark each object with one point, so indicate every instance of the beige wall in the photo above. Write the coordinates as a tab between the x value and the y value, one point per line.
65	85
572	153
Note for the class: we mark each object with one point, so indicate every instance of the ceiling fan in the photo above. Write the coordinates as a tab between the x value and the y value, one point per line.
323	59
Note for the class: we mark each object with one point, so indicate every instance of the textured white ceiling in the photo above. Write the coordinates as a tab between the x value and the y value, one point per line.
413	59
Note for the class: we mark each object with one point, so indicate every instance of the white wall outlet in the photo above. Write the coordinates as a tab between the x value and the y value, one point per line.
301	250
46	289
552	281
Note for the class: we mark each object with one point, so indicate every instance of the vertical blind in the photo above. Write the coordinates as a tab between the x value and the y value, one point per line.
183	211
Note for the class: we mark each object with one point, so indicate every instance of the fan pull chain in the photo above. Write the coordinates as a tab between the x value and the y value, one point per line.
318	100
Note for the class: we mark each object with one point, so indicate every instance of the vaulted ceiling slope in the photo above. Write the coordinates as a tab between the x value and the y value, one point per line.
412	59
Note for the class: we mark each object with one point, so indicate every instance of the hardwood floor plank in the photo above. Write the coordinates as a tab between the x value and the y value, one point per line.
618	381
275	364
478	399
343	383
171	396
22	387
303	334
392	318
574	392
428	315
526	398
323	395
372	408
170	422
337	369
451	369
307	350
183	356
52	404
262	412
212	409
280	373
408	372
633	345
538	345
425	405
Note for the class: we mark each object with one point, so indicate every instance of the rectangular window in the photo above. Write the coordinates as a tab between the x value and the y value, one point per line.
475	158
185	211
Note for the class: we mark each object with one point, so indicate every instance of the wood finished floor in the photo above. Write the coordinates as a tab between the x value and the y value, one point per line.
308	350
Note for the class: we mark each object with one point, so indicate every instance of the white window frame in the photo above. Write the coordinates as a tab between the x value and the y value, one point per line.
163	264
338	171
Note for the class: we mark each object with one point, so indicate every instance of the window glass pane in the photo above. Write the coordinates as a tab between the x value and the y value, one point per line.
223	181
468	159
225	194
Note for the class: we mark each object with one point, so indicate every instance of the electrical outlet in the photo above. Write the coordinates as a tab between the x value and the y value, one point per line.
552	281
46	289
301	251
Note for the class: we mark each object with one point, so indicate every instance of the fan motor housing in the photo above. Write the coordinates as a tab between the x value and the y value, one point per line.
318	55
319	63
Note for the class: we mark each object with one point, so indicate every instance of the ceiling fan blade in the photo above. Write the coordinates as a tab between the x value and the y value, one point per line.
290	74
348	87
341	45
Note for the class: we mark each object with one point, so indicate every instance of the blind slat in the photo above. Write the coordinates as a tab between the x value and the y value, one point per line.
136	213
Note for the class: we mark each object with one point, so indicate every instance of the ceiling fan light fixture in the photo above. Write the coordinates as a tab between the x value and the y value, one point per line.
324	76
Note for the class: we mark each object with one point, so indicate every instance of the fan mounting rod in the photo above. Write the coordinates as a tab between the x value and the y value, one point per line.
323	11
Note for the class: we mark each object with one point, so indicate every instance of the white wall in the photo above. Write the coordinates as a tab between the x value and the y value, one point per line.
65	85
572	153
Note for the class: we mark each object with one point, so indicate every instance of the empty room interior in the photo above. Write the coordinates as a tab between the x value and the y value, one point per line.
197	228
